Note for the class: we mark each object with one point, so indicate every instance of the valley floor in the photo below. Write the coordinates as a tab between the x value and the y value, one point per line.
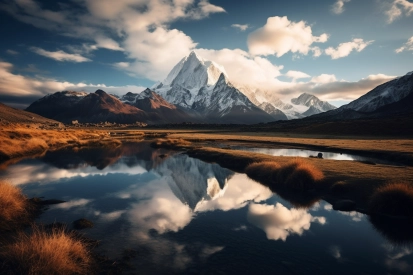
17	143
342	182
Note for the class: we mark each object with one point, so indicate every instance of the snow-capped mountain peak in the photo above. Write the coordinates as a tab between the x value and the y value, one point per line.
310	100
194	72
200	85
203	88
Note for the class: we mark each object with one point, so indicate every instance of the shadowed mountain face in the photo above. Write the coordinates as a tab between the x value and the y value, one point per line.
11	115
51	106
100	106
271	110
151	102
93	107
391	98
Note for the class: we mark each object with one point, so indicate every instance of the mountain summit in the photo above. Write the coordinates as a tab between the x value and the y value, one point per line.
202	88
186	79
315	105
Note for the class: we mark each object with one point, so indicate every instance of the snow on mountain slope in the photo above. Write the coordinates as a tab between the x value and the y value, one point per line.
183	83
199	85
392	97
300	108
312	101
382	95
202	86
274	112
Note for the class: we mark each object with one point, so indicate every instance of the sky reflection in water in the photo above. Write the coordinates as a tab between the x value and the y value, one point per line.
307	153
183	215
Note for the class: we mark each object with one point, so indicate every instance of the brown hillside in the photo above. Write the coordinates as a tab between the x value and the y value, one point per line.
10	115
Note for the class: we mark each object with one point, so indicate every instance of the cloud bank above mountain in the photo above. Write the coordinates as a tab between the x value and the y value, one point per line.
145	36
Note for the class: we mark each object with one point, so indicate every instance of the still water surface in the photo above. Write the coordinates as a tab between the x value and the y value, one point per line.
186	216
293	152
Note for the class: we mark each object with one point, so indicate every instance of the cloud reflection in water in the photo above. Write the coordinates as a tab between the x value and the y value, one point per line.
278	222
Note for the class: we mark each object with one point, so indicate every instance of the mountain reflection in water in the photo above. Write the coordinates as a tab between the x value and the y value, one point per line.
183	215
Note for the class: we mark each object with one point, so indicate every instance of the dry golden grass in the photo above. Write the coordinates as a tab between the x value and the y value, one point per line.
41	252
22	142
394	199
357	181
265	172
171	143
13	205
297	174
402	147
300	175
286	180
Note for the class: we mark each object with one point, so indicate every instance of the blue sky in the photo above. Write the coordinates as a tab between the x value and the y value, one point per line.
335	49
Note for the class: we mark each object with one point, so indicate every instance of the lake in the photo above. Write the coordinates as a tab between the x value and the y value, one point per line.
185	216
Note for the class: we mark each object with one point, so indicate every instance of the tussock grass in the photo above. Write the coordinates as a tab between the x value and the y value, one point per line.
286	180
297	174
13	206
265	171
47	252
394	199
300	175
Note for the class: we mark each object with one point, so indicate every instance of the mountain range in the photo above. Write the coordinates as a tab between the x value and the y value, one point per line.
391	98
200	91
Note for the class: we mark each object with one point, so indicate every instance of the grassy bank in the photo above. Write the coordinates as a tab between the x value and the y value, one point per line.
23	142
393	149
330	180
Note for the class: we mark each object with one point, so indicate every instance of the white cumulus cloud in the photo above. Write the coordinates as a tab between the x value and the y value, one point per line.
324	78
344	49
280	36
278	222
60	55
107	43
139	28
22	90
240	26
398	8
338	6
243	68
408	46
297	75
